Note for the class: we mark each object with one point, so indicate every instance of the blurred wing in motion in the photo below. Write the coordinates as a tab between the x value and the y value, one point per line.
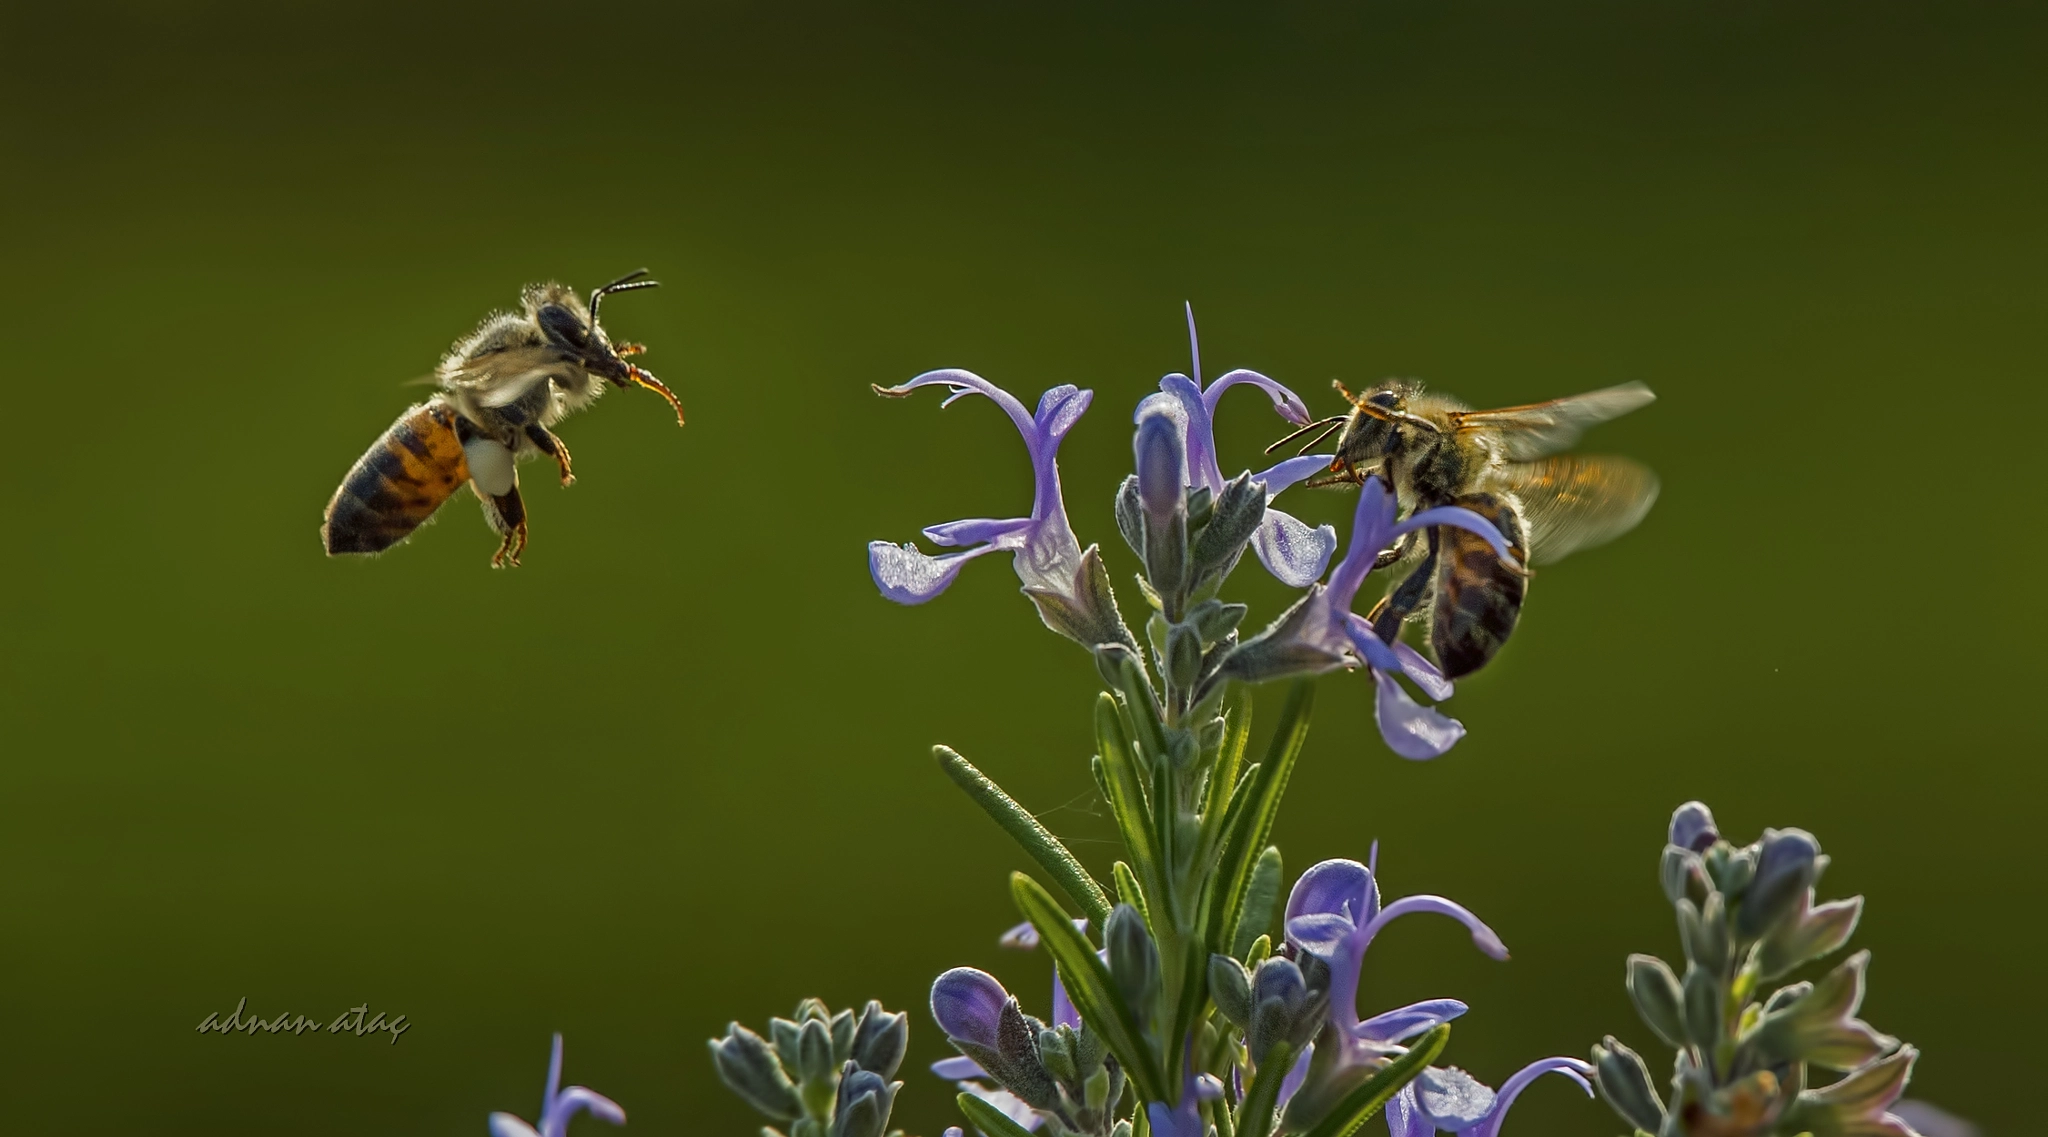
1577	501
1533	431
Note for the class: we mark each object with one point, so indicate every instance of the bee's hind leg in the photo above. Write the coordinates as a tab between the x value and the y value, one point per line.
507	514
554	448
1407	597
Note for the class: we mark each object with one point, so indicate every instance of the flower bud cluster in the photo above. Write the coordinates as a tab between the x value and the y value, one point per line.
1061	1075
825	1075
1747	917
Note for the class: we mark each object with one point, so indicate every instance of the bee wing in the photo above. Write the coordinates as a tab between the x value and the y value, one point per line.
1576	501
1532	431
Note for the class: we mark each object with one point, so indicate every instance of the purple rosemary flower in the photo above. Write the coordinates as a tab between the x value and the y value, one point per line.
1287	546
1452	1101
1333	914
557	1107
1069	585
1321	632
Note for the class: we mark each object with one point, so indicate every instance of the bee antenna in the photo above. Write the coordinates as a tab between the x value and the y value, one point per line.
626	283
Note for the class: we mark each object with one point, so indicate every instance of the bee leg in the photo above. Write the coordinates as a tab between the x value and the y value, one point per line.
507	514
552	447
1406	598
1391	557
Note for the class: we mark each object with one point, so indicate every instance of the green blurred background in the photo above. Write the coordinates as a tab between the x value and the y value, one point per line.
675	770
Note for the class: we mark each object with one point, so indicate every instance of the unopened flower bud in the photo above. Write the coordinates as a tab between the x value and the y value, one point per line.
1625	1083
749	1068
880	1040
1692	827
1786	865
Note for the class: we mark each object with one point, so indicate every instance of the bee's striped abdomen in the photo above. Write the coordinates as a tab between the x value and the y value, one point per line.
399	483
1478	598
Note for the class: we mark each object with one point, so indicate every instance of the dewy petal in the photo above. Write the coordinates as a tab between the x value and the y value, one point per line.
908	576
1454	1100
577	1099
1286	403
1409	1021
1295	554
1572	1068
1405	1117
958	1067
1411	730
968	1004
1483	937
506	1125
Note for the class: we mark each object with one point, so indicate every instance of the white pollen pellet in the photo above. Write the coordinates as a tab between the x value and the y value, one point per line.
490	465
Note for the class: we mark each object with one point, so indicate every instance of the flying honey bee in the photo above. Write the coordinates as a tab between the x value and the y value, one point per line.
1501	464
502	387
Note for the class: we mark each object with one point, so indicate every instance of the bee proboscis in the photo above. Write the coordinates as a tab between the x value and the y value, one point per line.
501	388
1502	464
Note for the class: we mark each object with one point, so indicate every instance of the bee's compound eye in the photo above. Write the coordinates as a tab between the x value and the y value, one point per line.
563	326
1384	399
490	465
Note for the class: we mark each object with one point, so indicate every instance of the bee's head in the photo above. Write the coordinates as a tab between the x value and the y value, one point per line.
567	326
1373	429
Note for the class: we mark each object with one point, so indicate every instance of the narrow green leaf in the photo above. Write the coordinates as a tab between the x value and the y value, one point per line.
1255	1113
1254	827
1044	848
1164	812
1130	892
989	1119
1126	799
1237	734
1358	1106
1089	985
1261	900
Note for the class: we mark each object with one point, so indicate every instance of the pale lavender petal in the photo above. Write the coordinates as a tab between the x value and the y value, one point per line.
1405	1117
1425	674
1285	474
1023	937
967	382
1458	517
1181	399
958	1067
1409	1021
1339	887
506	1125
1286	403
577	1099
1185	1118
1209	1087
1572	1068
976	530
1411	730
1372	526
547	1099
1063	1012
1295	554
908	576
1296	1076
1454	1100
955	1131
1369	645
968	1004
1013	1107
1930	1120
1483	937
